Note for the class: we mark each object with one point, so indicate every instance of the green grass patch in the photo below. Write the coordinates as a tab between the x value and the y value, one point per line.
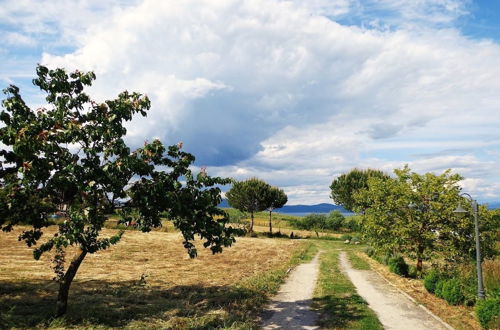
335	296
357	262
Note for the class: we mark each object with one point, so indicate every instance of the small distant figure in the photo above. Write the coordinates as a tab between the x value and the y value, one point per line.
291	235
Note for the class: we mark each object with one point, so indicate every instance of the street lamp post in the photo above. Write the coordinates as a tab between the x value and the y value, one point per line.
475	210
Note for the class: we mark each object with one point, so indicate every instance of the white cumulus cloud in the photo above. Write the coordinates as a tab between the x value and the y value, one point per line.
291	91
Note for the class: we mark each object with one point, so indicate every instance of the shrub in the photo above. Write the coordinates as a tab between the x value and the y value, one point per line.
345	237
353	223
398	265
386	257
356	239
439	288
469	290
488	312
335	220
310	222
369	251
452	291
431	280
412	271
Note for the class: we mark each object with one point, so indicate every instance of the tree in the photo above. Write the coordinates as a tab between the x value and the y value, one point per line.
72	153
410	212
346	185
275	199
458	239
335	220
249	196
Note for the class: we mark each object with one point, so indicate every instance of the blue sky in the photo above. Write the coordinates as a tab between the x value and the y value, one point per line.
294	92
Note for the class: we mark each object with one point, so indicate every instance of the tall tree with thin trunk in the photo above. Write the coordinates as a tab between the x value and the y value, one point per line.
249	196
71	155
276	198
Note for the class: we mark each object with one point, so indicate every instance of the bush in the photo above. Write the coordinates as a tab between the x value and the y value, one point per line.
310	222
335	220
431	280
386	257
353	223
369	251
345	237
469	290
452	291
488	312
412	271
439	288
318	222
356	239
398	265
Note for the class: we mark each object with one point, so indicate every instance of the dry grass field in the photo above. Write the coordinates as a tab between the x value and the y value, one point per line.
146	281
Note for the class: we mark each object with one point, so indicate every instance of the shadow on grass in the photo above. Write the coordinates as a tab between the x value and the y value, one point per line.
339	312
121	304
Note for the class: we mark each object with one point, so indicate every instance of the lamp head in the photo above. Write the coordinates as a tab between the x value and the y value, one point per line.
460	211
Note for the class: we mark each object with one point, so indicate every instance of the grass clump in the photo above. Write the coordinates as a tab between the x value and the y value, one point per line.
488	312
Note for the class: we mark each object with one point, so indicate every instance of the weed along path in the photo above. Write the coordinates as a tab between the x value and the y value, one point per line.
291	307
394	310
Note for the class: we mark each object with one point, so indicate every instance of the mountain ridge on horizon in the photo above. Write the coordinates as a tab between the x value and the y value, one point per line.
324	207
301	208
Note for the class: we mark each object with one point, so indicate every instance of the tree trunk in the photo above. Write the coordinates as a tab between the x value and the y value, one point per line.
270	223
419	260
251	222
62	298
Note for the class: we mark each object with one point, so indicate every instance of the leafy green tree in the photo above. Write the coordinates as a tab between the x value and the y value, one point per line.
335	220
346	185
275	199
249	196
410	212
457	237
72	154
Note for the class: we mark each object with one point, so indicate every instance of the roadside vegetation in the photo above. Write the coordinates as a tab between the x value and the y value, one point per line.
410	224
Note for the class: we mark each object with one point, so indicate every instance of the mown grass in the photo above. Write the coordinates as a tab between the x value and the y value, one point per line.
357	262
335	296
147	281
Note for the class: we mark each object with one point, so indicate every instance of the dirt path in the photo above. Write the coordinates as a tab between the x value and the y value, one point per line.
393	309
290	308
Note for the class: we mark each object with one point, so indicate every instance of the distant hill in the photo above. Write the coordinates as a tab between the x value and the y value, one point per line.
493	205
316	208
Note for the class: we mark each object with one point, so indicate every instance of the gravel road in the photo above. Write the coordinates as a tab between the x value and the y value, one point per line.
290	308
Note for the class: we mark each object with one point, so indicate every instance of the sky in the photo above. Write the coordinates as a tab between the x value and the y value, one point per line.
294	92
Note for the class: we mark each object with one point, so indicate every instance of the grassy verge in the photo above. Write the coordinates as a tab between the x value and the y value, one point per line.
357	262
335	296
147	281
